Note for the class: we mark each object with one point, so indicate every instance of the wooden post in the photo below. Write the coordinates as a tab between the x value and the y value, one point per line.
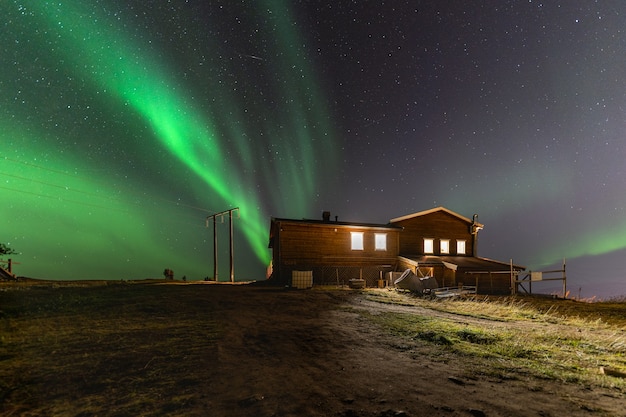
564	280
513	279
232	265
230	221
215	250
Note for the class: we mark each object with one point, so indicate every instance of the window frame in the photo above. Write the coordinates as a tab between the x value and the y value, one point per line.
461	243
357	241
382	236
447	246
429	246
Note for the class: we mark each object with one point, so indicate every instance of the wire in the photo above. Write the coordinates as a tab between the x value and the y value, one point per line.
189	221
177	203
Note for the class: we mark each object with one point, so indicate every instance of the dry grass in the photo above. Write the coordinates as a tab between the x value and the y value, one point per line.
141	348
553	339
119	346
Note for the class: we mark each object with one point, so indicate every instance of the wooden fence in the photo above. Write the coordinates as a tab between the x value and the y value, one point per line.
524	282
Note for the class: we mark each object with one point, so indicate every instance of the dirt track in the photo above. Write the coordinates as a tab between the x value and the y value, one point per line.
312	353
247	351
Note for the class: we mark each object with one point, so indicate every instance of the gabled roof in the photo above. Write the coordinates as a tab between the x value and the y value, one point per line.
434	210
328	223
336	223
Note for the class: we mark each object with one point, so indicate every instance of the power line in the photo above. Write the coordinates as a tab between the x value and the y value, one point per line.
64	187
60	199
177	203
102	196
188	222
6	158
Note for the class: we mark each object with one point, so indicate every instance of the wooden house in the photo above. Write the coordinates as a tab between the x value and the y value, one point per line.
444	244
436	242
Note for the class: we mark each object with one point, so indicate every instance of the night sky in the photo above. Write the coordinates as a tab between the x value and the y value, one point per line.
124	124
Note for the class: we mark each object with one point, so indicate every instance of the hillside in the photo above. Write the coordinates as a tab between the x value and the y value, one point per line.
157	348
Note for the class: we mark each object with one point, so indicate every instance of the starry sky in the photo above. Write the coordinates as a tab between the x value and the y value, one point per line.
125	124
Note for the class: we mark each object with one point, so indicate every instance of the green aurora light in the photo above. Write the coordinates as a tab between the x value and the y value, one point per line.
116	69
62	217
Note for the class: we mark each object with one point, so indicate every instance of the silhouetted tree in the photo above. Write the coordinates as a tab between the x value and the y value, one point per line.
6	250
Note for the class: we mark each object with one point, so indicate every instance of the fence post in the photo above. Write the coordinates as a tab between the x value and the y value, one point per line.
513	280
564	280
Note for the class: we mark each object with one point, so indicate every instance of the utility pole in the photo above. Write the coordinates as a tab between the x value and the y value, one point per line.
215	269
231	251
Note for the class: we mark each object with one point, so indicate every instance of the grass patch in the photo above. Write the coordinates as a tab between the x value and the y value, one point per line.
548	339
113	347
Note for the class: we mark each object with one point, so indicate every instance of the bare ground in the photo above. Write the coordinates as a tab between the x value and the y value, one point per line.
246	350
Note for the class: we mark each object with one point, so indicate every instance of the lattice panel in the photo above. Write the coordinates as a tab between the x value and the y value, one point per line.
341	275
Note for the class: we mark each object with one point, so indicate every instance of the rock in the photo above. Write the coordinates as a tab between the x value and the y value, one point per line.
247	402
612	372
393	413
456	380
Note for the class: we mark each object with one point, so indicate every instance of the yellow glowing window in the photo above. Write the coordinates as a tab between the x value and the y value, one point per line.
429	245
444	246
380	241
460	247
357	240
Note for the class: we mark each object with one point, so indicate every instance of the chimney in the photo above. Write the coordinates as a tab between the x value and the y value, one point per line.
474	229
326	216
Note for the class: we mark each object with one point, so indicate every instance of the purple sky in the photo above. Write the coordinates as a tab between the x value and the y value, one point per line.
513	110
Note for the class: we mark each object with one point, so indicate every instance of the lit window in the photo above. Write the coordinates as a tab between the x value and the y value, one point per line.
380	241
357	240
444	246
429	245
460	247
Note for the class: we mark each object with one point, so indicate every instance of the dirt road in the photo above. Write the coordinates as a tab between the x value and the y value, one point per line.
312	353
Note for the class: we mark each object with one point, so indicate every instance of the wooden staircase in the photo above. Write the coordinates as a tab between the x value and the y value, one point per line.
6	275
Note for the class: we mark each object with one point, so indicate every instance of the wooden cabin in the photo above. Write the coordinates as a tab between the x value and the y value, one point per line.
333	251
436	242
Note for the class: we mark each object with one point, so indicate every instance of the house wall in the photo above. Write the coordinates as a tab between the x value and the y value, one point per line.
437	225
310	246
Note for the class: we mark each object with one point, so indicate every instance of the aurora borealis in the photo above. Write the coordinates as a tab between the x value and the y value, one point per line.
118	109
124	125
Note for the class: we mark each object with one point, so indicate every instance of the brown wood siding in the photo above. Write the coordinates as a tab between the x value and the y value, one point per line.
325	249
325	244
438	225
